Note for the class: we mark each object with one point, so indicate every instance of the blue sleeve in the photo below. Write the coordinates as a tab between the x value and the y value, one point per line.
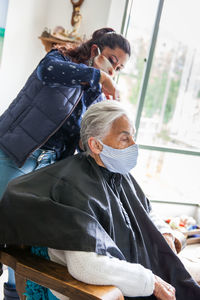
56	70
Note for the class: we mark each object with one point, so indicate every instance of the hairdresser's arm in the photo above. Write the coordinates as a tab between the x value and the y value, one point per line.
109	87
56	70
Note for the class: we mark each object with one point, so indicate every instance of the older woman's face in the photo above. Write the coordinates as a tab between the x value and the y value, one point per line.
121	134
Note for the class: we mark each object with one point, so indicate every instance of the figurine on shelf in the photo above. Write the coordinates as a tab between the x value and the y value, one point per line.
60	35
76	17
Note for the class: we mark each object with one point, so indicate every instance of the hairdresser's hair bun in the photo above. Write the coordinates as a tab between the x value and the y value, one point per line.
100	32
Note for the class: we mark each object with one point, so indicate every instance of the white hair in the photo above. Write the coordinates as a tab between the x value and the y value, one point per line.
98	120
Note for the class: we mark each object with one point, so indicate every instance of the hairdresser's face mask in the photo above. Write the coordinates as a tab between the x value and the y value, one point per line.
119	160
103	63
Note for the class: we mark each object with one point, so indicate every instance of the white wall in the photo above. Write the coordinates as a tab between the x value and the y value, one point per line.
25	22
22	49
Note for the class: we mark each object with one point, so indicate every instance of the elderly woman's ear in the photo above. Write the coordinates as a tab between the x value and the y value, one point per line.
94	145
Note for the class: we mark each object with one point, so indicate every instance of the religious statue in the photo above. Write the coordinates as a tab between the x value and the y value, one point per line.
62	36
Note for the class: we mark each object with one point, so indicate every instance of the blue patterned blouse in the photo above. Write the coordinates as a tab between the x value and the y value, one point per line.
56	70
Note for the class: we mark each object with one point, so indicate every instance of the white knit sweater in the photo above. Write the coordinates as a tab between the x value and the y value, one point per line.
92	268
132	279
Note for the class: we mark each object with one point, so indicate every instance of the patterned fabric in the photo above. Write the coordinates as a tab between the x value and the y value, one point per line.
74	75
35	291
56	70
119	160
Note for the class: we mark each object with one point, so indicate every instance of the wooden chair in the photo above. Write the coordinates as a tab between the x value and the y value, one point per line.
53	276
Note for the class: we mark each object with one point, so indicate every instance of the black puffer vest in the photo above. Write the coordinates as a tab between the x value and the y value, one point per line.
34	116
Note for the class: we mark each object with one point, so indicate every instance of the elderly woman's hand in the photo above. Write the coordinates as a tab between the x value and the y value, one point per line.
170	240
163	290
109	87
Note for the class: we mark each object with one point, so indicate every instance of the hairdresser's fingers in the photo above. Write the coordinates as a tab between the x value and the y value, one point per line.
109	86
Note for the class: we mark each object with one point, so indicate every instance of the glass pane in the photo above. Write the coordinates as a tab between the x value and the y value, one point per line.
171	113
3	14
139	34
168	176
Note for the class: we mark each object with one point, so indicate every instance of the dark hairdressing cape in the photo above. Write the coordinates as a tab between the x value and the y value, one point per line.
70	206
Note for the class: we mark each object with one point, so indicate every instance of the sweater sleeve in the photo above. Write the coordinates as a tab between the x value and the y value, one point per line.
56	70
132	279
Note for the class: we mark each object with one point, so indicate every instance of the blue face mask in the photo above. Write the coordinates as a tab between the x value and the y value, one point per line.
119	160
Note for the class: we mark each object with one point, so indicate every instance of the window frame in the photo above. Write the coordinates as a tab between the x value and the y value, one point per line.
144	85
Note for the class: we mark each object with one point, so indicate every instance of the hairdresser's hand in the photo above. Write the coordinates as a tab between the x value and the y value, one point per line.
163	290
109	87
170	240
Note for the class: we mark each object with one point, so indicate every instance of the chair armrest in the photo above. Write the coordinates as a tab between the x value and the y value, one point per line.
55	276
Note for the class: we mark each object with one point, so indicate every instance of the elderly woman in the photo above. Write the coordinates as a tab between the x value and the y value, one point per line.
102	228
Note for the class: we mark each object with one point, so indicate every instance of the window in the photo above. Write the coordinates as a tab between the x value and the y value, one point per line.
161	84
3	14
139	34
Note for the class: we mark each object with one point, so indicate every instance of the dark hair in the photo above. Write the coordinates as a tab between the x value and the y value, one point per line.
102	37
